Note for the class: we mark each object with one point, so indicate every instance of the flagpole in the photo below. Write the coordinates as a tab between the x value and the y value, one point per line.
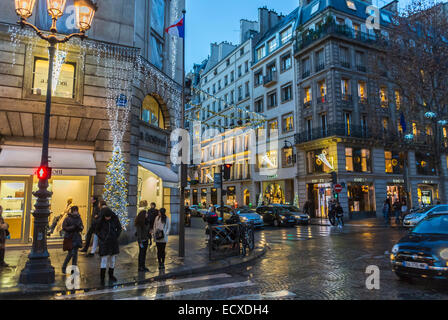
183	167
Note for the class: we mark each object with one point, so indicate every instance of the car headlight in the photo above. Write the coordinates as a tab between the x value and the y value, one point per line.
297	217
244	219
395	248
283	217
444	253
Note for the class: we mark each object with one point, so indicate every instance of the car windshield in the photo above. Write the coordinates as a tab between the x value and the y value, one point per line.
293	209
433	225
284	211
424	209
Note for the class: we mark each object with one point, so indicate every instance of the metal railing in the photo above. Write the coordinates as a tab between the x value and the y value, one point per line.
338	129
223	241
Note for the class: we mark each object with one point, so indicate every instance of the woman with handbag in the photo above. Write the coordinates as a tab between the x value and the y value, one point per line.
72	227
108	231
4	234
162	225
142	227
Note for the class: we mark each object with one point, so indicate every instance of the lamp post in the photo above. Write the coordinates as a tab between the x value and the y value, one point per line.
38	268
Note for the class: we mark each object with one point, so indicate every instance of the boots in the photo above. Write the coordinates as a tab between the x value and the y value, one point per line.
103	276
111	275
2	258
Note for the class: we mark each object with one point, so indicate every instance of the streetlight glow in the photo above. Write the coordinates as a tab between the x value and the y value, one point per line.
24	8
85	11
56	8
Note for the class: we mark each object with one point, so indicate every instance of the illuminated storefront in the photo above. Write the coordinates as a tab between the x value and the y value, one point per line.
427	194
72	178
361	199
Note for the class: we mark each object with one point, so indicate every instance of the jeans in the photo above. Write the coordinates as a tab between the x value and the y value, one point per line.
397	216
161	252
142	248
71	255
340	221
386	217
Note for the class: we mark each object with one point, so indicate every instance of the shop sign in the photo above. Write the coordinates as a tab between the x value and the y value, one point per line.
153	139
360	180
322	158
122	101
397	180
318	181
273	176
429	182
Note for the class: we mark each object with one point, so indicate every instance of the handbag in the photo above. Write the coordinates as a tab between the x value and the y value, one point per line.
159	234
67	245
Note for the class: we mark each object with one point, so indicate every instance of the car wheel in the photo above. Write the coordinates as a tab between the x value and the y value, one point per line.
402	276
276	223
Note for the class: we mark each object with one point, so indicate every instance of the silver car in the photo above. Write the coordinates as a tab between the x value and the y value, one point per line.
412	219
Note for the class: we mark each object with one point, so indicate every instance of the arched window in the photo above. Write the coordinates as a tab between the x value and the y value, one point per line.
151	112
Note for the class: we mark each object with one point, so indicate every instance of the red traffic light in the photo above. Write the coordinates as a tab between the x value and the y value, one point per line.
228	165
43	172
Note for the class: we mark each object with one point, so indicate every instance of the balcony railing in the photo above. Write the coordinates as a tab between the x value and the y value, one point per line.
338	129
307	104
304	39
270	79
362	100
361	68
346	97
345	64
306	74
320	66
322	99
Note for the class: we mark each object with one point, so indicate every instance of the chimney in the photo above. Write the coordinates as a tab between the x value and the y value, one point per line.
247	28
263	19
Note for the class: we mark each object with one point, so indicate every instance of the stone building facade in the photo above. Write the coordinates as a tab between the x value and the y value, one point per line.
80	133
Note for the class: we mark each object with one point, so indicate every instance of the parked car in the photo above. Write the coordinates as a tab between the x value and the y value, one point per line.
412	219
195	211
246	215
424	251
276	216
301	218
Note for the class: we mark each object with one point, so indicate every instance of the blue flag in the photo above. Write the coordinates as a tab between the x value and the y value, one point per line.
403	122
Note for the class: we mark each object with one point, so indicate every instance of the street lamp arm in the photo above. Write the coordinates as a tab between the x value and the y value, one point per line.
51	38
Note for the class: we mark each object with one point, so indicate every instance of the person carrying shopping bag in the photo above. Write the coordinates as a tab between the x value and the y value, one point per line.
72	227
162	225
142	226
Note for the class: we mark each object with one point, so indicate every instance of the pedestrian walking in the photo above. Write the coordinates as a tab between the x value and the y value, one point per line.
332	212
4	234
386	211
143	232
162	225
108	231
72	226
397	211
404	209
339	215
101	205
93	220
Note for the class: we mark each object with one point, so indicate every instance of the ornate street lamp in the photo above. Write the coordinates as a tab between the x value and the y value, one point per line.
38	269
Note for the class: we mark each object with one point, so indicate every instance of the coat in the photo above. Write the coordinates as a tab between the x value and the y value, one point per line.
339	211
143	232
72	227
108	232
152	214
3	227
62	217
159	225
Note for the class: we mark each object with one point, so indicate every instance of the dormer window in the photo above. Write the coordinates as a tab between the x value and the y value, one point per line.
272	44
351	4
315	8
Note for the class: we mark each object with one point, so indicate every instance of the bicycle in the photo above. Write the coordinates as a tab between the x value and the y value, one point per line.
247	237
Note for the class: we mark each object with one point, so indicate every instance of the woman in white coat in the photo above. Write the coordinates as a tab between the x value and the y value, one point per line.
162	225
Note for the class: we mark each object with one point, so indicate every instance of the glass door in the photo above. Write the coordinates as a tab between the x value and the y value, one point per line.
13	200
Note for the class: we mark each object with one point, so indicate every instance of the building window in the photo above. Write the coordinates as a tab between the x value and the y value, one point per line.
246	85
361	197
258	78
319	161
285	62
272	99
226	80
152	113
286	35
272	126
158	16
360	61
362	95
322	91
156	57
344	57
364	125
306	67
348	123
246	67
272	45
323	125
320	60
309	128
286	93
357	160
351	4
232	76
288	122
397	99
63	84
383	97
240	93
242	51
394	161
307	97
260	53
259	105
345	89
287	158
240	72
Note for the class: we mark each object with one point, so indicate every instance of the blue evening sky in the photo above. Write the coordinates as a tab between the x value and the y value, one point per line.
210	21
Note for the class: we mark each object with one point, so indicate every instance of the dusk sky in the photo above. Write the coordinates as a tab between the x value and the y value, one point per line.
210	21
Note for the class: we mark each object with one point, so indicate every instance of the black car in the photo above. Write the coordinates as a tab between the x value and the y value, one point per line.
301	218
276	216
424	251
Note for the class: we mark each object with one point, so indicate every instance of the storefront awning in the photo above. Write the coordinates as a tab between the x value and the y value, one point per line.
166	174
16	160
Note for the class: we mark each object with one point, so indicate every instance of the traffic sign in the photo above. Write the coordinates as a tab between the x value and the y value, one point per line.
337	188
217	180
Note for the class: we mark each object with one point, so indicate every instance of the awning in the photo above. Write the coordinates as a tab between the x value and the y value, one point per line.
16	160
166	174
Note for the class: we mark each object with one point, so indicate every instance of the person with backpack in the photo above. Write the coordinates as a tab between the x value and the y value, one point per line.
72	226
143	232
4	234
108	230
161	229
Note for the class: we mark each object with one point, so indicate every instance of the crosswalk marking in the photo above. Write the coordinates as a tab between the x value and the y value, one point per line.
172	294
264	296
144	286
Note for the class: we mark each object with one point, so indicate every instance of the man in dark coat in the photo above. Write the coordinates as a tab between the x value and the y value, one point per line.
152	214
72	227
108	230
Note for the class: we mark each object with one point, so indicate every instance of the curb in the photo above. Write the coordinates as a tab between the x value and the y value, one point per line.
220	265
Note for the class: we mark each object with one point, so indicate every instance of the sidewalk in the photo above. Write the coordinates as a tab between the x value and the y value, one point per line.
195	261
366	223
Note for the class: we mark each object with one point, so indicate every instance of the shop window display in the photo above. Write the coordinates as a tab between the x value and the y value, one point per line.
361	197
12	199
357	160
425	164
394	161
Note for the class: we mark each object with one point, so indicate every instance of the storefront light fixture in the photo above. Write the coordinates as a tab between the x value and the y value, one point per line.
85	11
24	8
55	8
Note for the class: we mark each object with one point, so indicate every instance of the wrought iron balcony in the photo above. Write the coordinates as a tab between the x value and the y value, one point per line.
346	97
362	100
320	66
361	68
345	64
307	104
337	129
306	74
270	79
